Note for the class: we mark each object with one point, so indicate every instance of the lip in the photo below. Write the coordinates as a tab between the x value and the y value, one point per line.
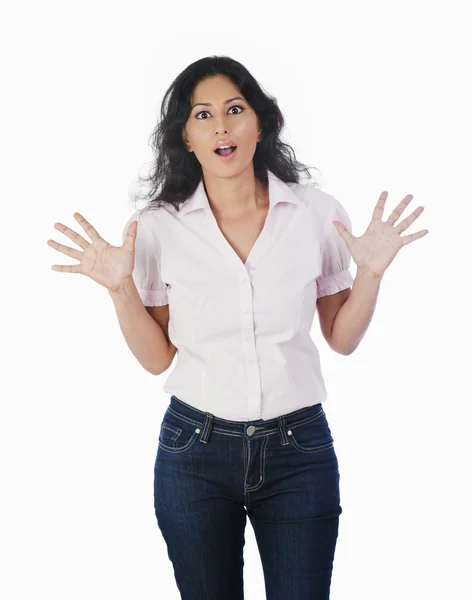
224	143
227	158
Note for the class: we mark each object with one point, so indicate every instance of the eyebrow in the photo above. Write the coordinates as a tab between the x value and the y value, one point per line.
209	103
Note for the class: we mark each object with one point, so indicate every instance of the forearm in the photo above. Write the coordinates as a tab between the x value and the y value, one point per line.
142	333
355	315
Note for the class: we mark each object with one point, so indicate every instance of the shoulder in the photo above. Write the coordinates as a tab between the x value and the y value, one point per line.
319	201
147	218
322	206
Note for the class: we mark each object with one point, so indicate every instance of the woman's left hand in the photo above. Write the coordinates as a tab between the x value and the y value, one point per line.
375	250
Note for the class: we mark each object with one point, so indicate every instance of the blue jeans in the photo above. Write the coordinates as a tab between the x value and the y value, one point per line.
283	473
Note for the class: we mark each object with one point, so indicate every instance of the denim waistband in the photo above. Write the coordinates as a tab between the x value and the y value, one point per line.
207	421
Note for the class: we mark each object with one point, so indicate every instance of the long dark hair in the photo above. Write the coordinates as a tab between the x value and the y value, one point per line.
176	172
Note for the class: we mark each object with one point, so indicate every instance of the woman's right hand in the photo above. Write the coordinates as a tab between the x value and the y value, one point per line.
108	265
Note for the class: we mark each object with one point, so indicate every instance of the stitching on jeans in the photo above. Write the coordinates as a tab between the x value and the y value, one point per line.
307	420
295	412
261	467
314	449
239	434
183	448
175	430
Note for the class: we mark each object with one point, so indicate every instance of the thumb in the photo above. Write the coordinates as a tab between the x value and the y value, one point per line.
130	238
344	233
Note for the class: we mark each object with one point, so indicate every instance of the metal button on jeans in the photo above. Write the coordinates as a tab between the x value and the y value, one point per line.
251	429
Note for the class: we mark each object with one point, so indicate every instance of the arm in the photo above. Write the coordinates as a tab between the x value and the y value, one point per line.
355	314
160	314
372	252
144	336
328	307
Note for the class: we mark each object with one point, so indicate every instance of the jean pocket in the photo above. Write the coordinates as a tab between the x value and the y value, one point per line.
312	434
177	438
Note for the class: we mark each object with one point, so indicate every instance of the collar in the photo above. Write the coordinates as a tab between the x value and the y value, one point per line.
279	191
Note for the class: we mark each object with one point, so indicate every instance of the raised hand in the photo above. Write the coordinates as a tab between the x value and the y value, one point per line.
375	250
108	265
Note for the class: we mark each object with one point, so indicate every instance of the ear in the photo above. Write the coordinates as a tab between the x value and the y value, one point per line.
259	128
185	141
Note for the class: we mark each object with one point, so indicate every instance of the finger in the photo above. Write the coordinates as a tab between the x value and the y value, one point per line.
407	239
347	236
86	226
409	220
395	214
379	207
67	268
128	242
72	235
77	254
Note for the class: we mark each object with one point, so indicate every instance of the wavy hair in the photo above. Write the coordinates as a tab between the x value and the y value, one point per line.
175	172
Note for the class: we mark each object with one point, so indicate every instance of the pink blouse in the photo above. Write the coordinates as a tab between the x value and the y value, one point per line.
242	330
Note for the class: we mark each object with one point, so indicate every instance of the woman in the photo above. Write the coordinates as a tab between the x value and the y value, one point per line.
229	262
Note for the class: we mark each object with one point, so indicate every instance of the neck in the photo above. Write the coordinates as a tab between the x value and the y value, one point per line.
231	197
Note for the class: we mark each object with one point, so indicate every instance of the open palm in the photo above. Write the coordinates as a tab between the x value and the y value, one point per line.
106	264
376	249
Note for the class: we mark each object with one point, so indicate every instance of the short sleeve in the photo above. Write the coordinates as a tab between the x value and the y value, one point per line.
147	264
336	258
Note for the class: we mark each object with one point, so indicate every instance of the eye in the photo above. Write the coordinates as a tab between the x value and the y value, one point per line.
205	111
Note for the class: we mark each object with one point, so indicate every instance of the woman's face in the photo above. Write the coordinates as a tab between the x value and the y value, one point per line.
221	120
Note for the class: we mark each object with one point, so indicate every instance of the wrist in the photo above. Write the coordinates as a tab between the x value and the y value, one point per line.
123	287
368	274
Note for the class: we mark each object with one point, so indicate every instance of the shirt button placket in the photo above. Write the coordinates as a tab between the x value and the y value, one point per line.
250	351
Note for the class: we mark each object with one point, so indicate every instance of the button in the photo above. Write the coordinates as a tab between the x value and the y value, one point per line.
251	429
245	311
251	362
247	338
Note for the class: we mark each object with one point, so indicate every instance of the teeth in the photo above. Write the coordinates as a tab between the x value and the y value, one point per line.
224	147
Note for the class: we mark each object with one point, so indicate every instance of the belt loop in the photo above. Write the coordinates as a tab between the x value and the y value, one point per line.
206	428
283	435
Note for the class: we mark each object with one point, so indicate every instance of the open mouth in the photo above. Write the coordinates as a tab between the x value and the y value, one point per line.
225	152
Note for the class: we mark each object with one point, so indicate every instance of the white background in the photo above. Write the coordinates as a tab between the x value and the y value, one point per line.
376	96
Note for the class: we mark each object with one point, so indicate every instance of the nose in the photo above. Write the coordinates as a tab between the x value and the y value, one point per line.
220	126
